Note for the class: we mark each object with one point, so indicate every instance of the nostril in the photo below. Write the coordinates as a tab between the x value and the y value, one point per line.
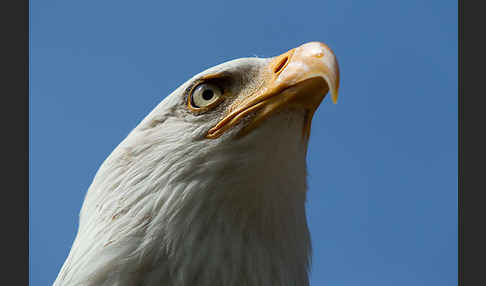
281	64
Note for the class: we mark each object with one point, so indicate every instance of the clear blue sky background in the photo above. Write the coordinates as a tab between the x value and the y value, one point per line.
382	162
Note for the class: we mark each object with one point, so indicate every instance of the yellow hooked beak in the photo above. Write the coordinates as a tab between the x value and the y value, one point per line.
298	78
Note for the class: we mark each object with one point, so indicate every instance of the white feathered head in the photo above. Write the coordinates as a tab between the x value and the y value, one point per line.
209	189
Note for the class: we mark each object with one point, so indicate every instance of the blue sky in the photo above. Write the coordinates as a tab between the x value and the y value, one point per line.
382	163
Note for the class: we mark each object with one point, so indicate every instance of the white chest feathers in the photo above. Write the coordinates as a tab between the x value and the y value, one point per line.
161	213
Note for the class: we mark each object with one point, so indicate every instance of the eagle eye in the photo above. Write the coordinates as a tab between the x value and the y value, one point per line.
205	95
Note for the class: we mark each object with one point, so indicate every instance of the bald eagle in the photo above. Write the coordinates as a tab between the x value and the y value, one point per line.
210	188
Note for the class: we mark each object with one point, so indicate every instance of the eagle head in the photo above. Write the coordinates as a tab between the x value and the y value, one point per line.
209	189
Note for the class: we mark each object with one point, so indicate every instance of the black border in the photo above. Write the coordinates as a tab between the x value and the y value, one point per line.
15	145
472	145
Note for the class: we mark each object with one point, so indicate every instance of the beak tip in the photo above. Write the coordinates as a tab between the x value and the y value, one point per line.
334	96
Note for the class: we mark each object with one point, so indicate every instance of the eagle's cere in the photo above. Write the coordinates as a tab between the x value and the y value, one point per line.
210	188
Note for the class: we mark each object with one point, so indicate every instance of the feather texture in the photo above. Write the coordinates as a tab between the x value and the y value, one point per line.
169	207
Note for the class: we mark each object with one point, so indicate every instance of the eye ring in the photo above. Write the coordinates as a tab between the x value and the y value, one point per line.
204	96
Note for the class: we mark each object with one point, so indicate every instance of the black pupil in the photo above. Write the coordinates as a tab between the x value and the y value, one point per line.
207	94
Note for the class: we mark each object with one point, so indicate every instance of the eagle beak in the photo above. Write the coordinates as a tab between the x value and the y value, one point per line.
298	78
311	60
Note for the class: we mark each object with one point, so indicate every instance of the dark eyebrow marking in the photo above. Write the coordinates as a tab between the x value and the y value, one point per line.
222	78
